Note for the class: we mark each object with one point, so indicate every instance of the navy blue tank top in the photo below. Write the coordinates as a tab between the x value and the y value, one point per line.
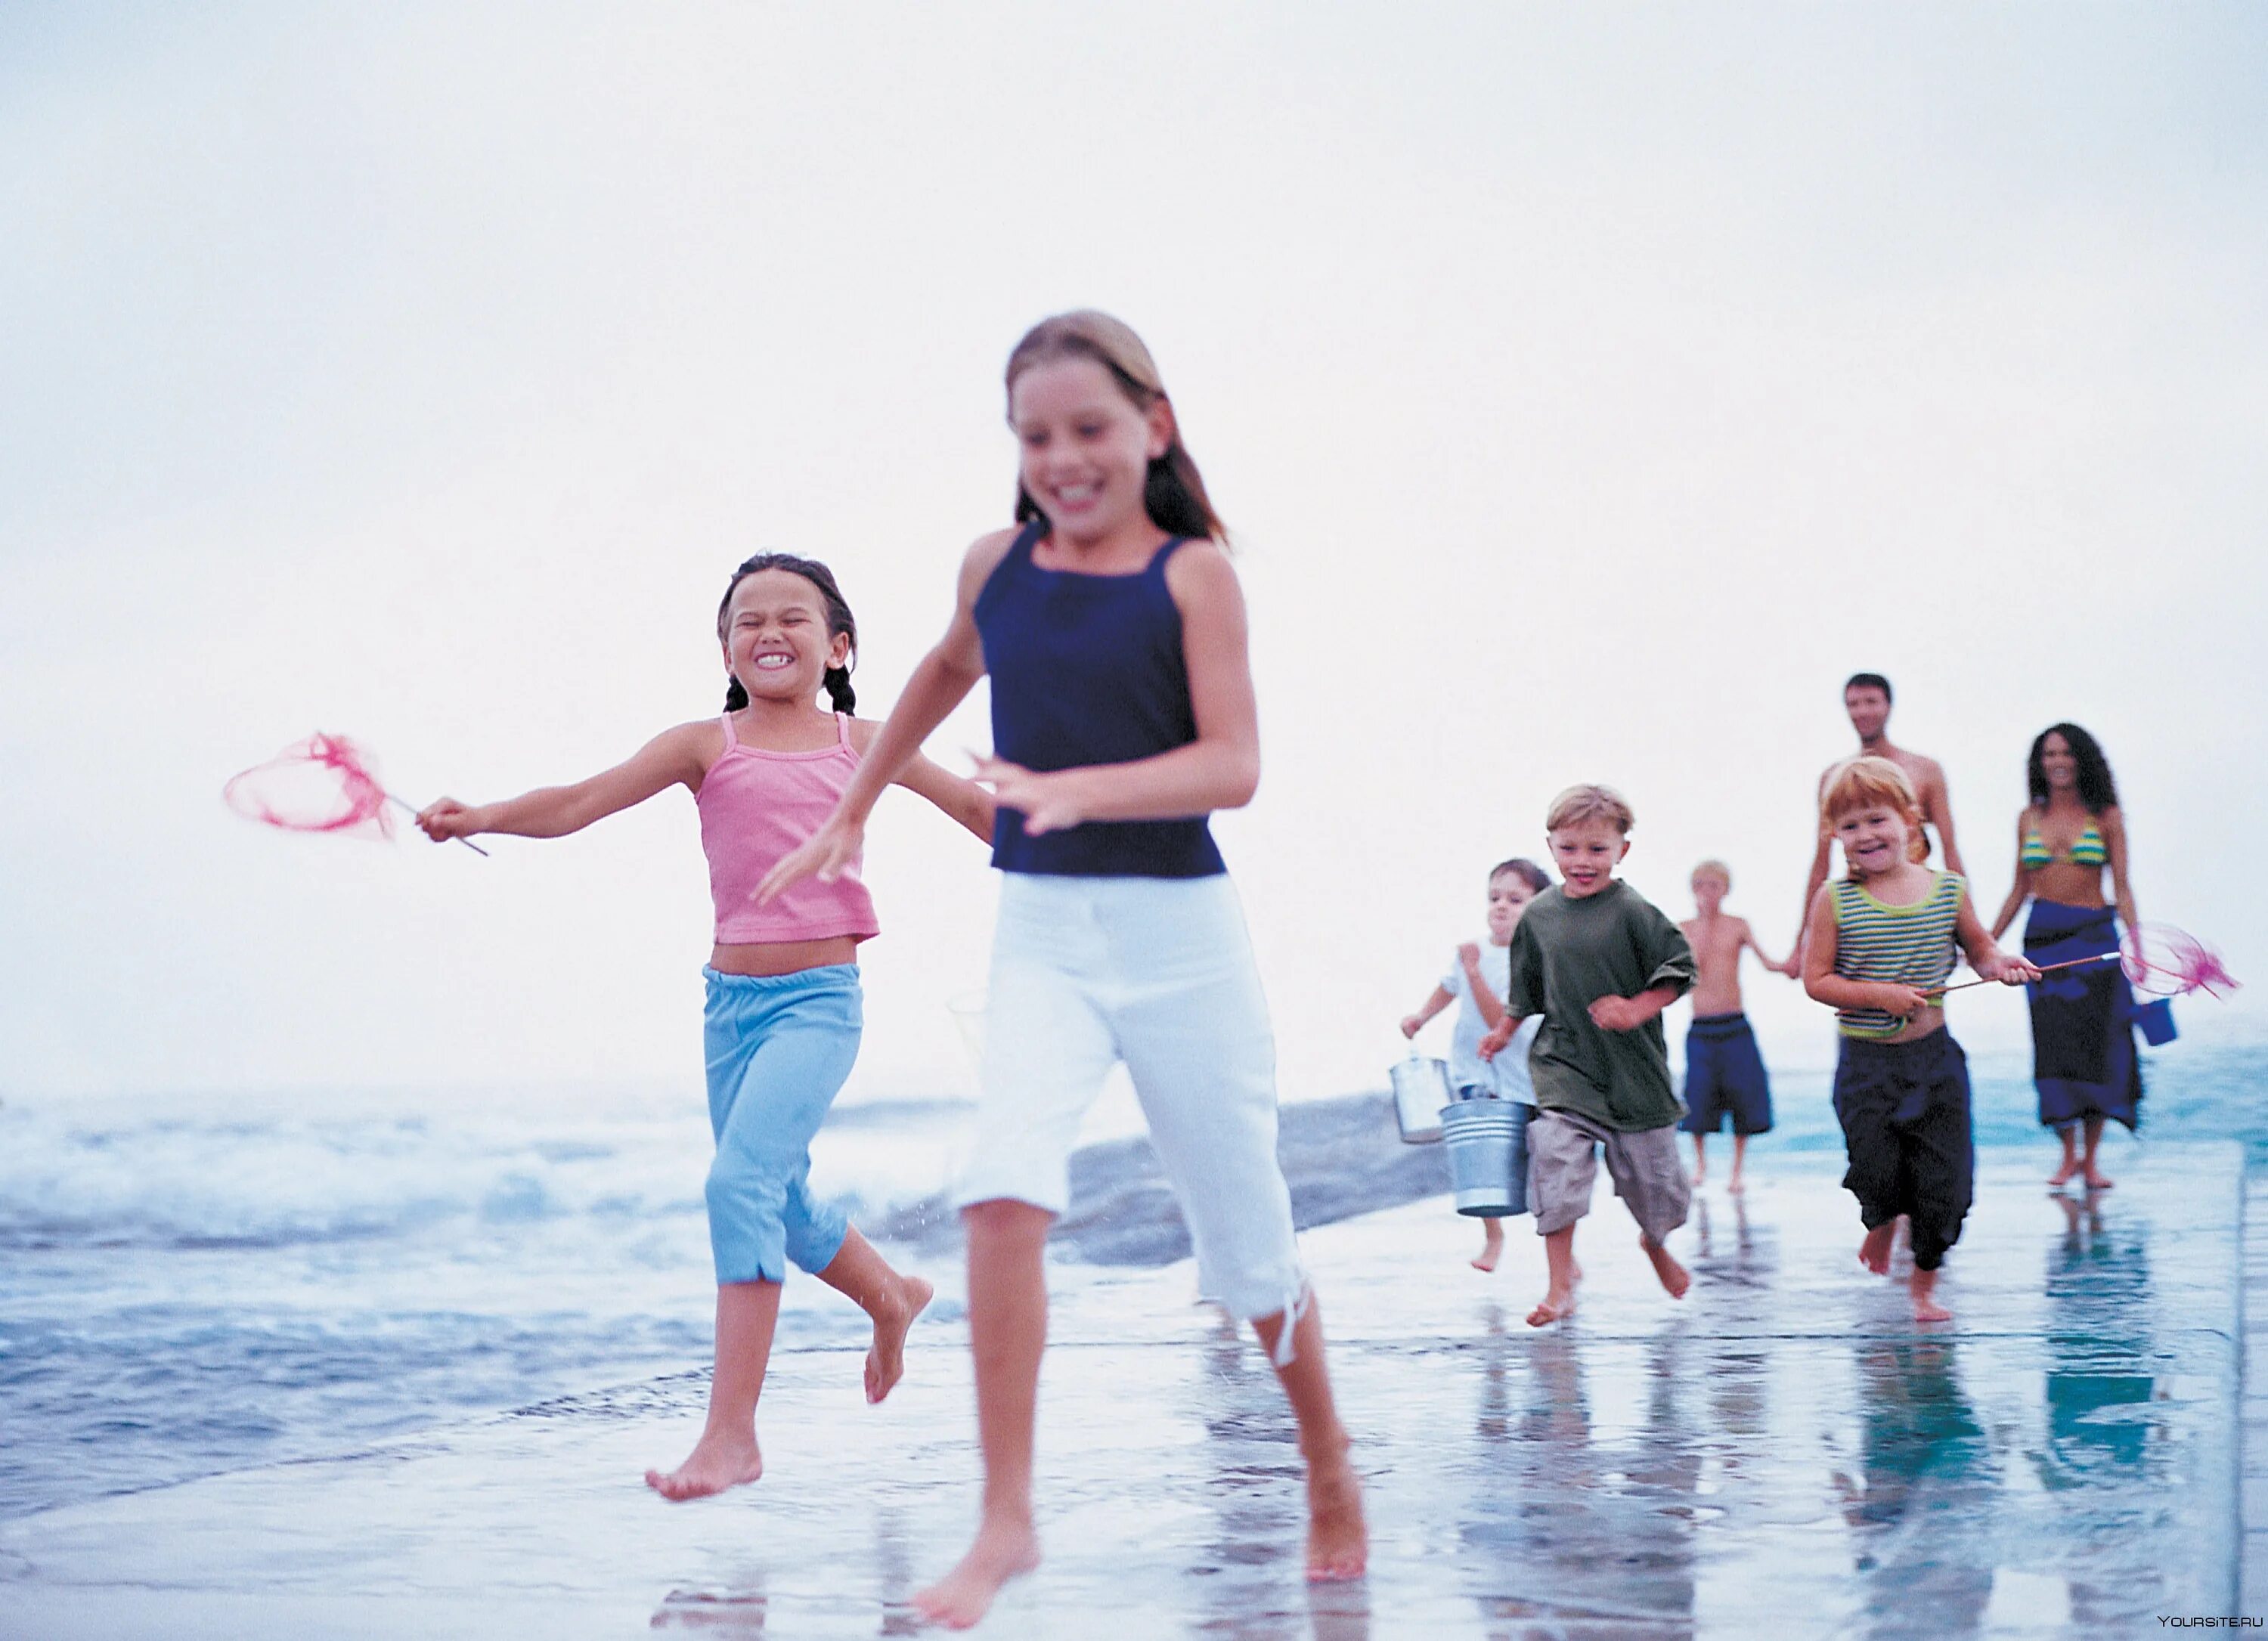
1087	670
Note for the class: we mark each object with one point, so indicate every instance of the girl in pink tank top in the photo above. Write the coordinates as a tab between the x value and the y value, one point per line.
783	1014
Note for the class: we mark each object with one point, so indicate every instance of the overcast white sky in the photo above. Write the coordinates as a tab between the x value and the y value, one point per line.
1591	389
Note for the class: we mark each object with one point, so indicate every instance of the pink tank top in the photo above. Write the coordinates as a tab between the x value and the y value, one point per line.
756	806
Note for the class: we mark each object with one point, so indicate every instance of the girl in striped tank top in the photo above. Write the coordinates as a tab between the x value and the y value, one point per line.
1880	946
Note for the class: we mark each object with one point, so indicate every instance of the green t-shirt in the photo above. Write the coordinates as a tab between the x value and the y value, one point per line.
1566	955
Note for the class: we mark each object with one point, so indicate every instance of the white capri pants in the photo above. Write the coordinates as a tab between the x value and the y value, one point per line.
1157	972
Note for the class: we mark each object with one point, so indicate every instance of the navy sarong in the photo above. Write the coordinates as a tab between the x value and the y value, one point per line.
2083	1058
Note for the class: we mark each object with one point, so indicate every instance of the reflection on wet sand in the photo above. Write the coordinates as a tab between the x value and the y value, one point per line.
1926	1482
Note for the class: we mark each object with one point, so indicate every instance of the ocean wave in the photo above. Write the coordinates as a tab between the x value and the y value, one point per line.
220	1182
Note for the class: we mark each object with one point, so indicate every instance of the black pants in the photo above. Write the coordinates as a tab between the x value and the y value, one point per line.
1904	1111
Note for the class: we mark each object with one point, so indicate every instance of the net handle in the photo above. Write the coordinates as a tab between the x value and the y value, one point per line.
405	803
2045	969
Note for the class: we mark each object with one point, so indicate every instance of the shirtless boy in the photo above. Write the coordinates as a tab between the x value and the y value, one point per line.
1724	1073
1866	698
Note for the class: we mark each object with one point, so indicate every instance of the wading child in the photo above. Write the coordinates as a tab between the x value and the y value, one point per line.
1878	948
1476	984
1600	963
1122	714
1724	1072
783	1017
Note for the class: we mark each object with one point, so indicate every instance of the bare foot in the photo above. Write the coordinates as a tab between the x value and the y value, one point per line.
2066	1174
715	1463
1558	1303
1734	1184
885	1359
1001	1551
1874	1252
1700	1176
2097	1180
1925	1307
1674	1277
1338	1544
1485	1260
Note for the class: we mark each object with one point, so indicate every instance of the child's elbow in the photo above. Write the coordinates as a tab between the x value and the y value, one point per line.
1240	780
1814	991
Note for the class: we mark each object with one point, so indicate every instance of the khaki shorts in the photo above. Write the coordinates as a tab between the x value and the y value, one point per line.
1562	1165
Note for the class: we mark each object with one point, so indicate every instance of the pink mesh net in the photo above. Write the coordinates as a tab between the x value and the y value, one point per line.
2161	961
323	783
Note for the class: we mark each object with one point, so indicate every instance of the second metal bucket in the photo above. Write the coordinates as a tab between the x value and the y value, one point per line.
1480	1135
1421	1088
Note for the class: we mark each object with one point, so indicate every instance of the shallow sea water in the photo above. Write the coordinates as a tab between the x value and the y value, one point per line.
193	1287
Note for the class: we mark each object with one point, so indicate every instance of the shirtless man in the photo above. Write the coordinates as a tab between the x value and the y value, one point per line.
1724	1073
1866	698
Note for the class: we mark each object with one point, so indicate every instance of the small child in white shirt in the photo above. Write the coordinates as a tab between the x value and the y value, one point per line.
1477	982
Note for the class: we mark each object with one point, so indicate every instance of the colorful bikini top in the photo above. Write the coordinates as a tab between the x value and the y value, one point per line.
2086	850
1906	946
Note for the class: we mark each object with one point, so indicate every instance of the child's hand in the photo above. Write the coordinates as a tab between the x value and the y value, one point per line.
1412	1024
1470	954
1497	1037
1619	1013
445	817
826	855
1905	1002
1049	802
2009	971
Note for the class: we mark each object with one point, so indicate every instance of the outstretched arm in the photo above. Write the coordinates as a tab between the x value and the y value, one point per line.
2114	839
676	757
1821	858
1748	938
1937	804
1412	1024
940	683
1220	769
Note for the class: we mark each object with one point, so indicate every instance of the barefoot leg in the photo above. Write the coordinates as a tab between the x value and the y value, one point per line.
1739	1160
1875	1251
864	1277
747	1313
1008	1332
2097	1180
2069	1167
1559	1260
1338	1544
1700	1159
1674	1277
1491	1244
1925	1307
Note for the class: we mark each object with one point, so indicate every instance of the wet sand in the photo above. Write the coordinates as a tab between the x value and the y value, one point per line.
1782	1453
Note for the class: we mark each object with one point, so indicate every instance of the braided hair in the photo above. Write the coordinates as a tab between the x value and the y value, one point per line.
840	623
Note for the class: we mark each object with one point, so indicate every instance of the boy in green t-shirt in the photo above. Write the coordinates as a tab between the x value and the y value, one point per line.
1599	962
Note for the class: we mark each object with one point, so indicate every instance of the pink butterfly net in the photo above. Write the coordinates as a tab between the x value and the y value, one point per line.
2161	961
323	783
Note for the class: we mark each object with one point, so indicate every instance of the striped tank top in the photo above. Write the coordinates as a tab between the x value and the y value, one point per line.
1901	945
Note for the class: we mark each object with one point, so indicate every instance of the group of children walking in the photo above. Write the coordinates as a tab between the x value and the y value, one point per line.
1589	966
1111	624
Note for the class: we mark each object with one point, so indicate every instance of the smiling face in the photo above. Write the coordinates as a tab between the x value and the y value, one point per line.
2059	763
1508	897
1869	709
1874	837
1085	448
776	638
1587	852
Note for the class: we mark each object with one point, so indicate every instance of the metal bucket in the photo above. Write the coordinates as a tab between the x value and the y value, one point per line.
1479	1135
1421	1088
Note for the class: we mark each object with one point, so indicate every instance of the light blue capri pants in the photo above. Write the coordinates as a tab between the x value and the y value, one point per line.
779	1049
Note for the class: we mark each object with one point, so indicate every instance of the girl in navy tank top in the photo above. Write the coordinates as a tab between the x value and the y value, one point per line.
1123	715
